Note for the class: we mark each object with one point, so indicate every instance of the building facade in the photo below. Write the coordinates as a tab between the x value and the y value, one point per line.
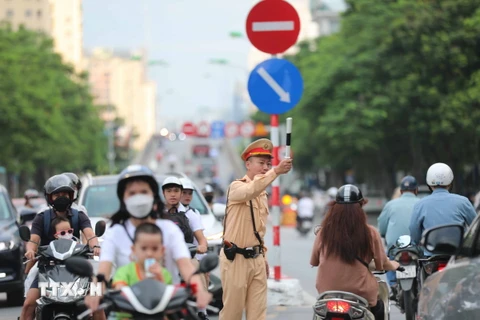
118	80
60	19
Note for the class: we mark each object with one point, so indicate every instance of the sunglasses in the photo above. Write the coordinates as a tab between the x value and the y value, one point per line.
64	232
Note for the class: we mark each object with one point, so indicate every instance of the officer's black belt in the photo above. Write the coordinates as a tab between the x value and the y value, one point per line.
250	252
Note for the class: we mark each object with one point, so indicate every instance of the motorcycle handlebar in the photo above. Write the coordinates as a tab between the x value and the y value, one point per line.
88	312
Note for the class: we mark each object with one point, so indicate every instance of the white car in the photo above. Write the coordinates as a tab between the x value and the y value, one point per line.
99	196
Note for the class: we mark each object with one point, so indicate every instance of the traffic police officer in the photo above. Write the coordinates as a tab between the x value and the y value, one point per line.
242	260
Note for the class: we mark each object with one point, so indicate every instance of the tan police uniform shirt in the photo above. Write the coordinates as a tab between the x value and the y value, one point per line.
238	221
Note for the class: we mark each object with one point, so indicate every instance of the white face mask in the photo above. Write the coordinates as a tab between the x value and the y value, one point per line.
67	236
139	205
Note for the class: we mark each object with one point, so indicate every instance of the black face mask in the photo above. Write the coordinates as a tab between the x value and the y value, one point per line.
209	198
61	204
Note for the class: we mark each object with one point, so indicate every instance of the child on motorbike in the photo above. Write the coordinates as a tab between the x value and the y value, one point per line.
63	228
147	247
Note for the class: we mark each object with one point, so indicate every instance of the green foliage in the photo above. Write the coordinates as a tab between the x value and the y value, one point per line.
397	88
48	122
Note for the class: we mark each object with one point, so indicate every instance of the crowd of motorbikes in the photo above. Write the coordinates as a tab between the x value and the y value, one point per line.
415	266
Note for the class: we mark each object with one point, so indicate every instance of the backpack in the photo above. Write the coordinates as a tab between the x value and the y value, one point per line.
47	219
181	220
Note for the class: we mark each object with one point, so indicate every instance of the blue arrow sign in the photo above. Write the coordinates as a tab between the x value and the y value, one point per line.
217	129
275	86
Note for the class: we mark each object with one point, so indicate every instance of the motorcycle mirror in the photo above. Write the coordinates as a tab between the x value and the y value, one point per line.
79	266
403	241
100	227
24	233
208	263
316	229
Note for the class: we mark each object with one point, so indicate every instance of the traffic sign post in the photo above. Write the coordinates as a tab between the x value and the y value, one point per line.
273	26
189	129
217	129
275	86
203	129
231	130
247	129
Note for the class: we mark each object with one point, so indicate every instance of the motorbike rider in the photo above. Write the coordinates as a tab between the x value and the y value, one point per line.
59	193
394	220
441	207
305	209
30	194
138	192
188	221
344	247
209	193
186	199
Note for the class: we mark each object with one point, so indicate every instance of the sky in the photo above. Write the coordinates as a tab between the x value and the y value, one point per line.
186	34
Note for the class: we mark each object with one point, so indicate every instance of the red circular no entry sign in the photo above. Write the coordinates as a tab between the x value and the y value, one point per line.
273	26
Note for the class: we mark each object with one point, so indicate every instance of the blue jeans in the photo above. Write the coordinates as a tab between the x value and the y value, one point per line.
391	275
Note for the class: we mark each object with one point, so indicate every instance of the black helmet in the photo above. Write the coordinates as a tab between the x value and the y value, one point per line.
75	179
348	194
58	183
136	171
408	183
31	194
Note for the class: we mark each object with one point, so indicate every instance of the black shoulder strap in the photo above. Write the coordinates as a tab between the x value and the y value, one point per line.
75	224
126	231
363	262
254	227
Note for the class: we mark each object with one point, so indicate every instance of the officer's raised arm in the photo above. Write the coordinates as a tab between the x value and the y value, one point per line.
258	158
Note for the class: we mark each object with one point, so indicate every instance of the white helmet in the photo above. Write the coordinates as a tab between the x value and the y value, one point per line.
332	192
172	180
439	174
187	184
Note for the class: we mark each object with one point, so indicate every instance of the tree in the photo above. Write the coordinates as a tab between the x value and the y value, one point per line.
48	123
396	89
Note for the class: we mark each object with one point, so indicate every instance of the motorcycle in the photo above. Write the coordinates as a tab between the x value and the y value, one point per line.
304	225
57	302
407	255
342	305
214	287
332	305
148	299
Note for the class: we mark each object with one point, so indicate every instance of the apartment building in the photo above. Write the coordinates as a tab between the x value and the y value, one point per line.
60	19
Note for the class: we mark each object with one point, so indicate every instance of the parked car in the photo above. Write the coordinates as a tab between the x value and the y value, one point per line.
99	197
452	293
12	250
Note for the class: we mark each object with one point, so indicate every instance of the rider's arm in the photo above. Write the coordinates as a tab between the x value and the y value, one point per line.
315	257
186	269
107	255
244	191
87	230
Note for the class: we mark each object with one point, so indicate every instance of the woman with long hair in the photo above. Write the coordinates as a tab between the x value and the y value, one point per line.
344	247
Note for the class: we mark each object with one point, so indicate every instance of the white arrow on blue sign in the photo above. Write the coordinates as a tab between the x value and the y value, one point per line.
217	129
275	86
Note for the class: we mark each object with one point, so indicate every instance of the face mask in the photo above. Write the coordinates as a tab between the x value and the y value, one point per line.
68	236
61	204
209	198
139	206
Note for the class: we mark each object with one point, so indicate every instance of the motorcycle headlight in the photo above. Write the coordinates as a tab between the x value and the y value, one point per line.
6	245
215	236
